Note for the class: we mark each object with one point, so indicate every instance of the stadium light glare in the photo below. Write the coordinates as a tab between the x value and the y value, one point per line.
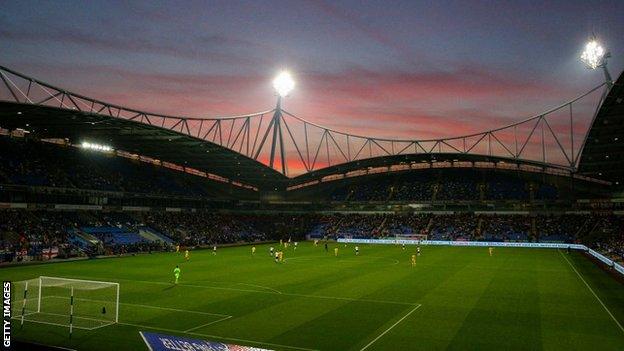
96	147
283	83
594	55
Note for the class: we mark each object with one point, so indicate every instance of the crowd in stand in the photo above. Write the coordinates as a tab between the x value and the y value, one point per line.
509	188
559	228
75	233
36	233
454	185
458	186
606	235
453	227
506	228
200	228
33	163
63	234
401	224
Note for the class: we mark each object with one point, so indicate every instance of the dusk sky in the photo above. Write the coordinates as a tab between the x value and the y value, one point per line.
381	68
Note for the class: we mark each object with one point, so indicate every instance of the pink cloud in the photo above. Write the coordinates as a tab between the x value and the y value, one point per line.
364	102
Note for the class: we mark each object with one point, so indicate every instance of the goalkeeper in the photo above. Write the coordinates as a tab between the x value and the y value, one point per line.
176	274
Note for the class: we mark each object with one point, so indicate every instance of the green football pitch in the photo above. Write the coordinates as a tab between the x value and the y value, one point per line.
454	298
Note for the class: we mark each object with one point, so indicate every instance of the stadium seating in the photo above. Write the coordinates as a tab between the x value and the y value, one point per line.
449	185
26	162
506	228
120	232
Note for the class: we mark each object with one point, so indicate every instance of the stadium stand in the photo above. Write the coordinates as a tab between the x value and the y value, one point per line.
91	232
447	185
33	163
505	228
64	201
45	234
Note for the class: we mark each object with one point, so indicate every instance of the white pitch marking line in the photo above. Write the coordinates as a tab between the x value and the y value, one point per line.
223	316
145	306
592	291
146	343
218	337
75	317
27	314
207	324
353	259
260	286
62	325
392	326
199	286
274	293
177	310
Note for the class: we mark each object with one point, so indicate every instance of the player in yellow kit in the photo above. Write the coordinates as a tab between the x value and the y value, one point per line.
491	249
413	260
253	250
178	248
281	256
336	251
186	255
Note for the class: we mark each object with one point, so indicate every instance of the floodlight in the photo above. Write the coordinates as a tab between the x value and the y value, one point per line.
96	147
283	83
594	55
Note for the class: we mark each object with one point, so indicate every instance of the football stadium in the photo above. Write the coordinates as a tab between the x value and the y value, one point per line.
126	228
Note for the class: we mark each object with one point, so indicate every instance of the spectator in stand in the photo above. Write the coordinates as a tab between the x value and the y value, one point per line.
27	162
38	232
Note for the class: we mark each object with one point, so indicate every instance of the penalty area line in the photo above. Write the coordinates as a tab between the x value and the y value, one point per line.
390	328
207	324
271	292
145	306
593	292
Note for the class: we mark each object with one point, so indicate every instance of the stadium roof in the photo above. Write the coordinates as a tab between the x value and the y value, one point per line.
603	154
224	150
140	138
429	160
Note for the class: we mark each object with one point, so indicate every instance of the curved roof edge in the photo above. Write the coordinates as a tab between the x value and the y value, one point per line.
48	122
397	163
601	154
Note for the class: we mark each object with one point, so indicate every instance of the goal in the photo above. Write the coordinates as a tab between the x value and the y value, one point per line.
72	303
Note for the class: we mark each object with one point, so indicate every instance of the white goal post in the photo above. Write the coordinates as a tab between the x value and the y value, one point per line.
73	303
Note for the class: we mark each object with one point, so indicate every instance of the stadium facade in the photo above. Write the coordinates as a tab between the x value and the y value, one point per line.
255	151
82	178
245	163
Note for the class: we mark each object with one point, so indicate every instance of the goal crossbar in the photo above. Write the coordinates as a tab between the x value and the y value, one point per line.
78	280
69	302
71	281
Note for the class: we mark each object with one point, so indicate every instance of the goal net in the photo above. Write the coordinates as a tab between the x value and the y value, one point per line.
72	303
